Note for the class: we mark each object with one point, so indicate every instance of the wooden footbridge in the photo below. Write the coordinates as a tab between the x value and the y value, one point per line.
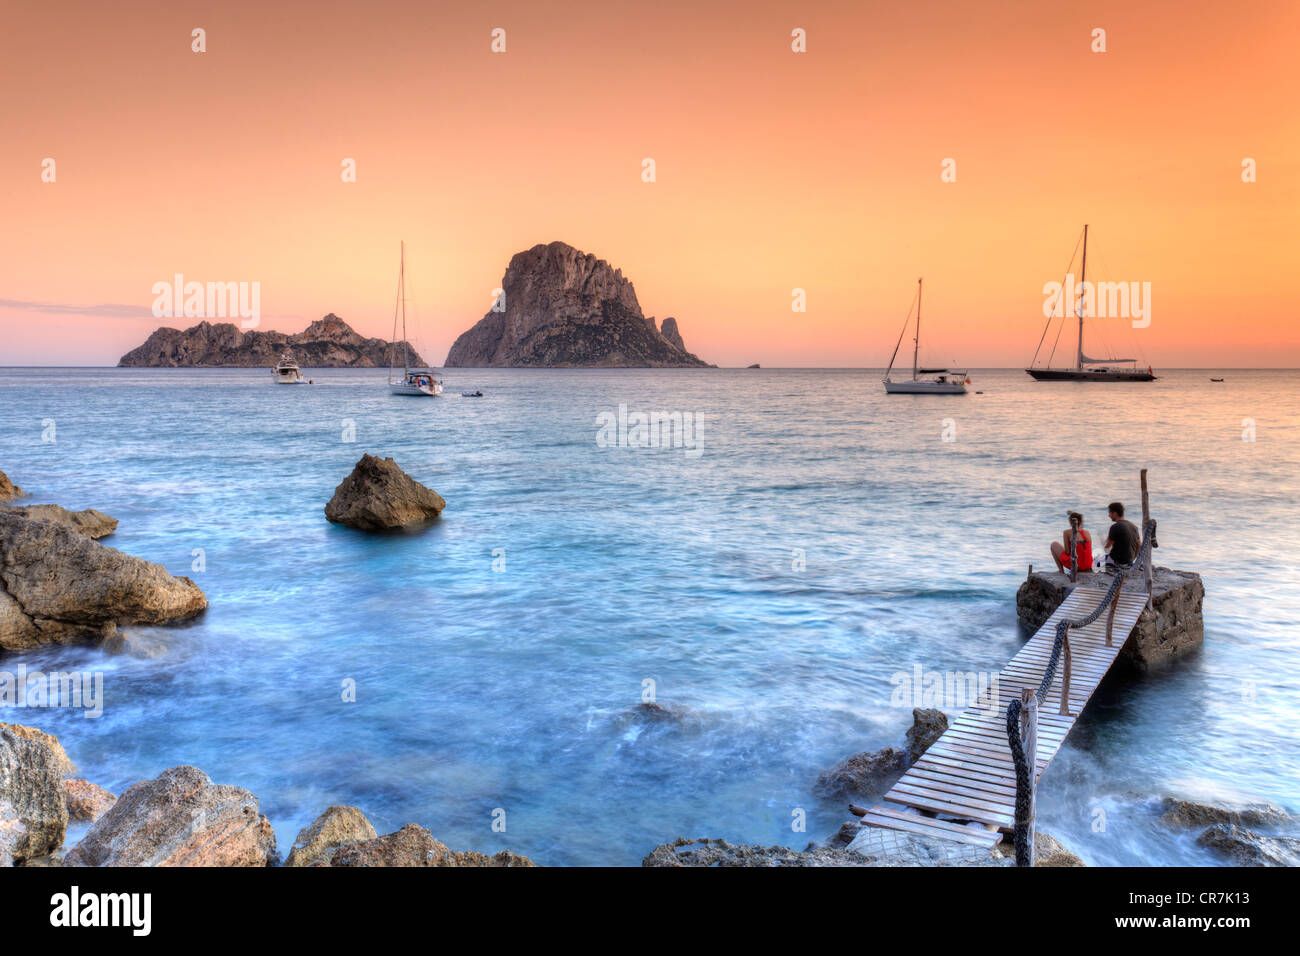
964	787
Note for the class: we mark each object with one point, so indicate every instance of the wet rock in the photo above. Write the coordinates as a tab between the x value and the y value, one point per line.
1170	628
8	490
86	801
135	645
337	827
91	523
379	496
413	845
1243	847
65	588
1188	813
928	725
866	774
33	808
180	818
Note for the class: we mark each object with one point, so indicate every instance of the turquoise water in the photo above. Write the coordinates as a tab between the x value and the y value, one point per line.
513	689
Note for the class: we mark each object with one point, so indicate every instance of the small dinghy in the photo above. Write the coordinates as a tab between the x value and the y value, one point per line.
471	394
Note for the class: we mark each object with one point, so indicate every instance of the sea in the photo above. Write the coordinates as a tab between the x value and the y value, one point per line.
769	565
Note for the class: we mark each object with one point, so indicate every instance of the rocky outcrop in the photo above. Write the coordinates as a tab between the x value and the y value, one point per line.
669	331
1243	847
566	308
337	827
326	343
1170	628
863	775
33	806
91	523
379	496
180	818
928	725
86	801
413	845
59	586
8	490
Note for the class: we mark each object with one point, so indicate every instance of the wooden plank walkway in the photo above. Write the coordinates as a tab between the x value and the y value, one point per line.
967	774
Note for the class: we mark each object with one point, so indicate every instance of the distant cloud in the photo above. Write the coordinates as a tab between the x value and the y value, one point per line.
112	310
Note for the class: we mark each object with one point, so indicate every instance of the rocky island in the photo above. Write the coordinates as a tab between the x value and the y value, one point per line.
326	343
563	308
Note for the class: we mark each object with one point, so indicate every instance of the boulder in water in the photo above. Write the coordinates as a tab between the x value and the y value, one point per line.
379	496
86	801
91	523
1243	847
59	586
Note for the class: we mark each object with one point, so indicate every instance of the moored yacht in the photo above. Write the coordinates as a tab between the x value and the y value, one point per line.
924	381
287	373
414	381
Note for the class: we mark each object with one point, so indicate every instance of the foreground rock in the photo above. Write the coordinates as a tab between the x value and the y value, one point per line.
337	827
379	496
180	818
1243	847
413	845
326	343
928	725
871	847
91	523
33	807
59	586
566	308
86	801
1170	628
8	490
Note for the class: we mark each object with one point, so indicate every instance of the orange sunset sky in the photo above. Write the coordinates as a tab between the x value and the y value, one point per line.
775	169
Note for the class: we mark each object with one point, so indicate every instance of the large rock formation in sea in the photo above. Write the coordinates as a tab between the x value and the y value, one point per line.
566	308
326	343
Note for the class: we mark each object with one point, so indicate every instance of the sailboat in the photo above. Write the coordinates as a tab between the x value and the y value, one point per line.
942	381
414	381
1087	369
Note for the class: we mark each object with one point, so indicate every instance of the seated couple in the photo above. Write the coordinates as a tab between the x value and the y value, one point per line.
1123	542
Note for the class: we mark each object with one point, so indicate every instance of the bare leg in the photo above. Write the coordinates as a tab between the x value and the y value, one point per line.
1058	549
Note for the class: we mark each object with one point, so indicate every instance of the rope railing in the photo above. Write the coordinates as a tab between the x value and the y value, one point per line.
1030	699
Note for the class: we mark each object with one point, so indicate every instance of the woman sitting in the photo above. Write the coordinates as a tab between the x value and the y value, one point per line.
1082	544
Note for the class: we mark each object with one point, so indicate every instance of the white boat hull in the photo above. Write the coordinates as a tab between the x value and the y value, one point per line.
925	388
428	391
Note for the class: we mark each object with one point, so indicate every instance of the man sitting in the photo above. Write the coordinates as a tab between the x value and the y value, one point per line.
1123	541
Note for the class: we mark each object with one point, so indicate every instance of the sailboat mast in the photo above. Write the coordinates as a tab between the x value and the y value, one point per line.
916	344
401	291
1083	279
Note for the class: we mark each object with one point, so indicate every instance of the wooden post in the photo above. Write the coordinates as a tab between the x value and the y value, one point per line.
1065	677
1146	516
1074	555
1029	734
1110	618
